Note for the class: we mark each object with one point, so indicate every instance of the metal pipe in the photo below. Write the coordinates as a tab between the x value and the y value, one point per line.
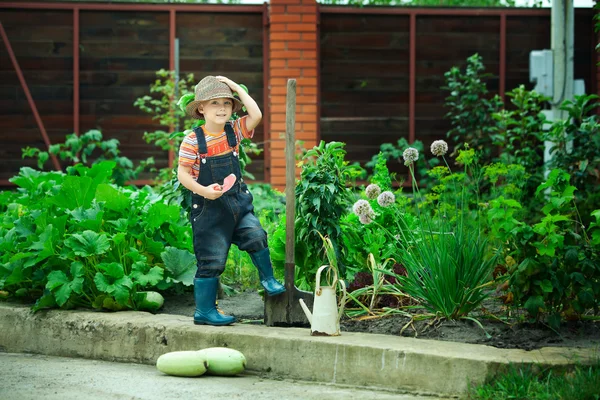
203	8
76	71
266	109
172	68
502	72
412	77
318	73
28	95
432	11
562	41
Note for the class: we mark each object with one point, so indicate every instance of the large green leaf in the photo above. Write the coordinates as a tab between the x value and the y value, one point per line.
113	198
88	243
143	275
153	247
30	179
100	172
112	280
88	218
44	245
62	287
181	265
75	192
160	213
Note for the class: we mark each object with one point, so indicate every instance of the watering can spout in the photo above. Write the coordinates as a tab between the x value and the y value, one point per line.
306	311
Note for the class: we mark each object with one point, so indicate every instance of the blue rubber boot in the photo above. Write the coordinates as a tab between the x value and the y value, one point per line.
262	261
205	294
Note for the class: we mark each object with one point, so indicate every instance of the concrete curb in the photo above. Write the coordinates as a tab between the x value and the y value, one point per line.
356	359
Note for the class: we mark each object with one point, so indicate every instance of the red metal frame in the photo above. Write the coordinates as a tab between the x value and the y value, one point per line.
434	11
266	84
502	72
318	74
135	7
172	26
76	70
34	110
412	83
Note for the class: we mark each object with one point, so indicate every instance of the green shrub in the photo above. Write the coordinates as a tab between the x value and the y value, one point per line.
76	239
470	108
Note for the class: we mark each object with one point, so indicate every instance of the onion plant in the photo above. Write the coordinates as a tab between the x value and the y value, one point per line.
448	261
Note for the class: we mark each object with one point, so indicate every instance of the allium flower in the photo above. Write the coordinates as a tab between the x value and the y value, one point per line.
362	207
410	155
386	199
365	212
439	148
372	191
365	219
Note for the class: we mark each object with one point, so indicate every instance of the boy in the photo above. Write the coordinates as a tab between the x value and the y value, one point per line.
218	218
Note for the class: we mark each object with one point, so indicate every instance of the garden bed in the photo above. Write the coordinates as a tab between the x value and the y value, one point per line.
248	308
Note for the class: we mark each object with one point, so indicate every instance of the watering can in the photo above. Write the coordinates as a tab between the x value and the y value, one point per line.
325	318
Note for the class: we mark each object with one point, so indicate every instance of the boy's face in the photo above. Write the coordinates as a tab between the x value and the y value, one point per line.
217	111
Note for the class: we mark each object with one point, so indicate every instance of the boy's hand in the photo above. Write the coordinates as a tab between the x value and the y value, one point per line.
212	192
232	85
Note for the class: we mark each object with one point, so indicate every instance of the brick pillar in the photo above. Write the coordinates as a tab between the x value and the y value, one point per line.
292	55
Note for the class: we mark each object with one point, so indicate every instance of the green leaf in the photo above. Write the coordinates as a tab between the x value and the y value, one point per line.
145	277
181	265
88	243
46	301
534	304
160	213
56	279
75	192
45	244
113	281
113	198
62	287
62	294
88	219
546	286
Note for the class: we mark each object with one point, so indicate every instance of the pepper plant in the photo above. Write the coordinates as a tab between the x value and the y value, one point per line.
322	199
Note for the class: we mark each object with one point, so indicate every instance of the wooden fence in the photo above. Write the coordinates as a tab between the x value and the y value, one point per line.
379	70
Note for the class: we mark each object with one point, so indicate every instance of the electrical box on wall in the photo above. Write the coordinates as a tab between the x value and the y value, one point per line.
540	71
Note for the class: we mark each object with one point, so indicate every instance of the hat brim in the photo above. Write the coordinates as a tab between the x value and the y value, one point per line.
192	108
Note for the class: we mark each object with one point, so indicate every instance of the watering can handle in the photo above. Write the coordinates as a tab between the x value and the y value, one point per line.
318	283
343	301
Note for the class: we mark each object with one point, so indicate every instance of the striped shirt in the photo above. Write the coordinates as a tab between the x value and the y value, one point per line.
216	142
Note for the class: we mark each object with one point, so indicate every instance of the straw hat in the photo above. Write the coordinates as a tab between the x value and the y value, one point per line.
207	89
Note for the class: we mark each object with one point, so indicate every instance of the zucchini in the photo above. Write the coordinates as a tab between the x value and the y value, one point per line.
149	301
182	363
223	361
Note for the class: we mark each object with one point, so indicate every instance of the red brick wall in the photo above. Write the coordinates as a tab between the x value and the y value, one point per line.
292	55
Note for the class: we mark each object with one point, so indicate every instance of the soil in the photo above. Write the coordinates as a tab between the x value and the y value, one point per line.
248	307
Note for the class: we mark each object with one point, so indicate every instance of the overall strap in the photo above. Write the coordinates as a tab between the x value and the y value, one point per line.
231	138
202	148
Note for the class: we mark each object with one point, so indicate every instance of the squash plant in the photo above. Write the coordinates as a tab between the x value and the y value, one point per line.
76	239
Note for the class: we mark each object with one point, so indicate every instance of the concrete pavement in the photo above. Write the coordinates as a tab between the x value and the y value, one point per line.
361	360
34	377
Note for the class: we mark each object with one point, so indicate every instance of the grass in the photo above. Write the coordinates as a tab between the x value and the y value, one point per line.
529	383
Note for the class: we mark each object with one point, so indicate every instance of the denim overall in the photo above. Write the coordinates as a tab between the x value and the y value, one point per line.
216	224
